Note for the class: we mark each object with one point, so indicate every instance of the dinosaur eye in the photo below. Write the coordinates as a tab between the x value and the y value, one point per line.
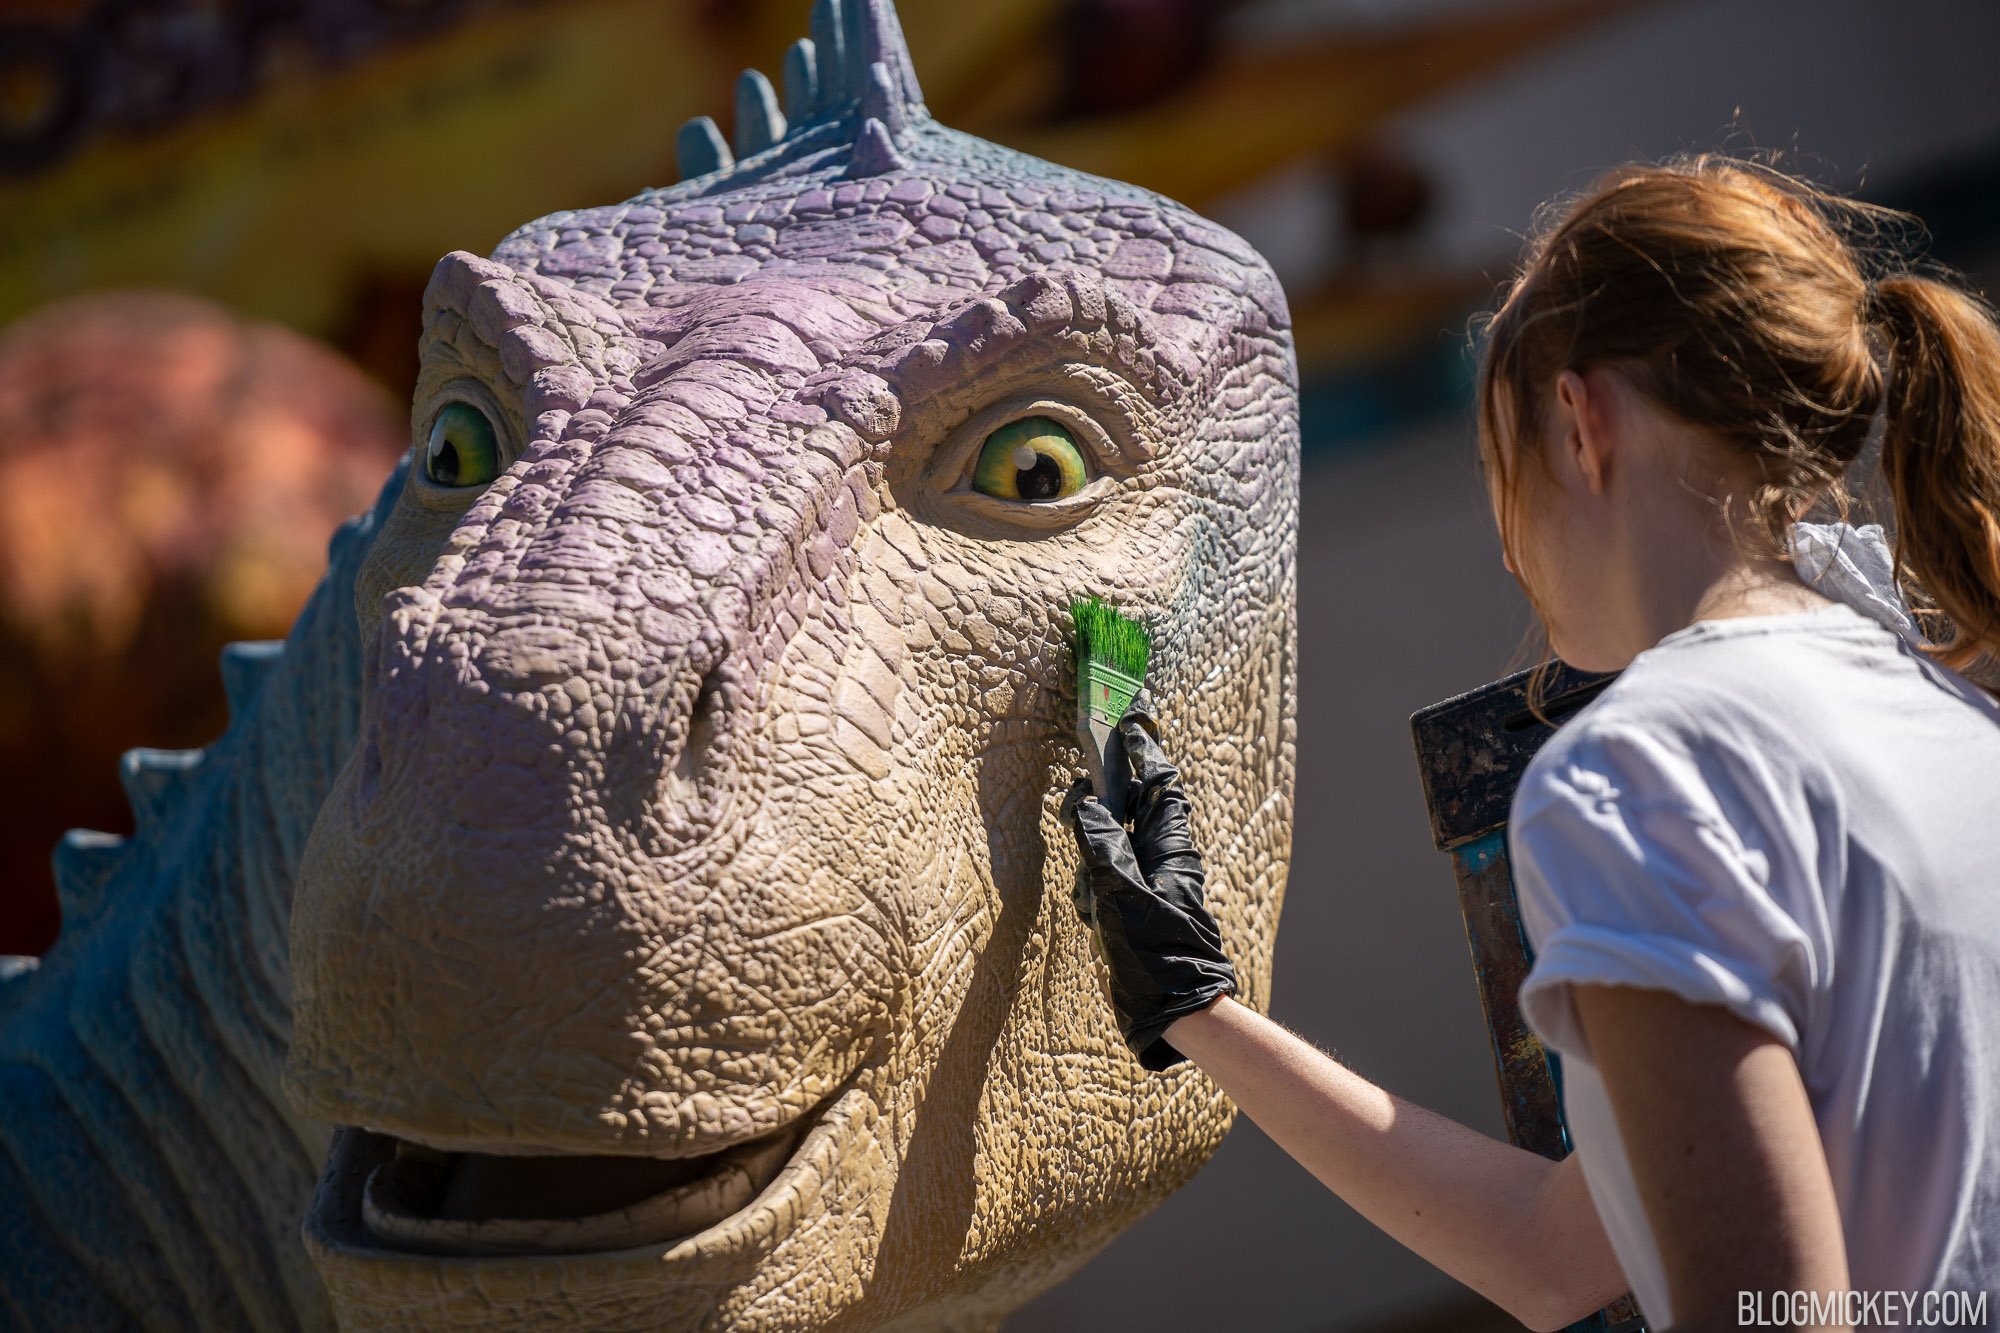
1035	458
464	449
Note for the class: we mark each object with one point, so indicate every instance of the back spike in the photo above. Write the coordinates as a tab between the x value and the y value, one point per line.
829	39
84	862
759	123
245	664
801	80
155	780
700	148
15	974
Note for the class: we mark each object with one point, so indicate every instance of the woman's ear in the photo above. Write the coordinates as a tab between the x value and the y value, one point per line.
1583	414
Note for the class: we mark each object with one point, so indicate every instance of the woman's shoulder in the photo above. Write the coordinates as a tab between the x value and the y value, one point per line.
1723	704
1755	675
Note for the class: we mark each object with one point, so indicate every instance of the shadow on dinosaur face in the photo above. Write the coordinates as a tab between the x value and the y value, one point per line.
687	940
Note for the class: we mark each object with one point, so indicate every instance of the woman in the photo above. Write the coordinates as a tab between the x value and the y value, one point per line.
1759	871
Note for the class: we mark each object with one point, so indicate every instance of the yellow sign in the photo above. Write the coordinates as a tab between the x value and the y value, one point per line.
277	205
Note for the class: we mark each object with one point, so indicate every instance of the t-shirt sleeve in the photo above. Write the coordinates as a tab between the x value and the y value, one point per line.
1640	861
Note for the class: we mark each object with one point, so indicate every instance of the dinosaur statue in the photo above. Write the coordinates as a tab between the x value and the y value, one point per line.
660	790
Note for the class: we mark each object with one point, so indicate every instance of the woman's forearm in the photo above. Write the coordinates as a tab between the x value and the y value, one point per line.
1514	1226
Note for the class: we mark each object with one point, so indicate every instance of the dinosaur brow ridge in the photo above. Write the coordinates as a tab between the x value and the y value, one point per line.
1042	308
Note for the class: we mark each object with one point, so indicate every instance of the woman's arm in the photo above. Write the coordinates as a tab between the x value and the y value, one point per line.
1723	1146
1516	1227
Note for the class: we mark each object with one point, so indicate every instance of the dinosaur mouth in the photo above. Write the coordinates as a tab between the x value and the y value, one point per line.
388	1196
466	1203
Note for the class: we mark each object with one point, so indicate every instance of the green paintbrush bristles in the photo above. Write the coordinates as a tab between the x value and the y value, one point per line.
1111	651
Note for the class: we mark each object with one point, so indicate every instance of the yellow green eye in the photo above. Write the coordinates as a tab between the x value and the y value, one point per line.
464	451
1035	458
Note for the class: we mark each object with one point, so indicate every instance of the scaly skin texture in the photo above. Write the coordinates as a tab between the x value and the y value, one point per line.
152	1174
705	785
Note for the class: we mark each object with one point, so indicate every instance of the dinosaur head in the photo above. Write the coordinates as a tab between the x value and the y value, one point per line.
687	940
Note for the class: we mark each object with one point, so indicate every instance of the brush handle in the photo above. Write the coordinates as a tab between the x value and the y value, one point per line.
1104	756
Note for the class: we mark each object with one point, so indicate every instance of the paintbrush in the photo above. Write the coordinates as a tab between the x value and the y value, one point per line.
1111	651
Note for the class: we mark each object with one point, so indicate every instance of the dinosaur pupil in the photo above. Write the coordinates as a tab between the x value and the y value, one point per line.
1043	481
463	451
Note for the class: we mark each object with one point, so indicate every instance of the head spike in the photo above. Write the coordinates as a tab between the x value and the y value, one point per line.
875	153
801	80
700	148
829	38
877	39
759	123
880	102
854	69
854	45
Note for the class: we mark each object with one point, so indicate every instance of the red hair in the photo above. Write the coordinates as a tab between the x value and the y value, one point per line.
1730	294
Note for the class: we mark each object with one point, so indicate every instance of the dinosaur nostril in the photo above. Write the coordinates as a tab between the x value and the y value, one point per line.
704	724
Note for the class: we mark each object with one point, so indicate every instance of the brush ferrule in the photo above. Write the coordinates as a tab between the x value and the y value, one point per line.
1107	692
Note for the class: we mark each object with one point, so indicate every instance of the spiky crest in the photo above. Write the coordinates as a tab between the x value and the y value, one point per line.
155	781
245	664
85	861
855	68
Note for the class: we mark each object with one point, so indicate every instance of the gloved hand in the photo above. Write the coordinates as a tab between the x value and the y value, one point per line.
1142	895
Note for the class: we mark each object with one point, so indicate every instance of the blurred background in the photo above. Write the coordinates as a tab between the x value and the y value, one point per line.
217	218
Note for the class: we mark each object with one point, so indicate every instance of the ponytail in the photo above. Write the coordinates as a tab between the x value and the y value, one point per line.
1941	454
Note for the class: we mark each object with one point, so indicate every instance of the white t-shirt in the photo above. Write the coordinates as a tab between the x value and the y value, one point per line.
1796	817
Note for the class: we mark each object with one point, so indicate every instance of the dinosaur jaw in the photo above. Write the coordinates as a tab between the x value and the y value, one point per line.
393	1222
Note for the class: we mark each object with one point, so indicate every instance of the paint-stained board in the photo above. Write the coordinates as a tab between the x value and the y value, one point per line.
1471	752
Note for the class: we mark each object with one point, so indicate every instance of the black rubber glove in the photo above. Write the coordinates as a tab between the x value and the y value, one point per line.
1142	895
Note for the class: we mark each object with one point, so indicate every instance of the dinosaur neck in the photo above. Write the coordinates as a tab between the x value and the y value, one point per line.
151	1166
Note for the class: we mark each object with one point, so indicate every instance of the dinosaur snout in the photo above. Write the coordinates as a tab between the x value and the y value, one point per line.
520	724
545	867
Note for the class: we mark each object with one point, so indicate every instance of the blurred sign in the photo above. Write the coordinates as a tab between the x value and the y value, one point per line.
271	152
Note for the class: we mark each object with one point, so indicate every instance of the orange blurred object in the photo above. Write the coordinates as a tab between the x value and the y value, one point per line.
169	476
